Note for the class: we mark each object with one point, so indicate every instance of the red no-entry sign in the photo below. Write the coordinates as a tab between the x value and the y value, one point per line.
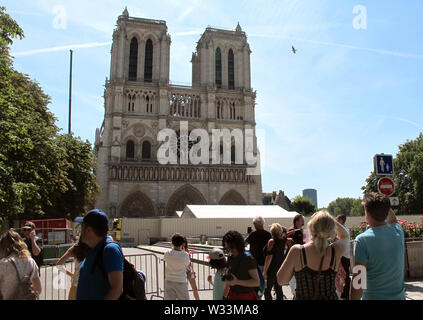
386	186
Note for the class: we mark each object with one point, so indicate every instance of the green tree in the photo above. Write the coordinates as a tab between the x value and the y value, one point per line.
30	162
303	205
81	189
357	208
347	206
408	177
38	168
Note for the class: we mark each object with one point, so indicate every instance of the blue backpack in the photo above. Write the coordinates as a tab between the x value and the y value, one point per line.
260	290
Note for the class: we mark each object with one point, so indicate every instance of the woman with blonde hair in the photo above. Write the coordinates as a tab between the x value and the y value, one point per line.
316	263
274	253
15	265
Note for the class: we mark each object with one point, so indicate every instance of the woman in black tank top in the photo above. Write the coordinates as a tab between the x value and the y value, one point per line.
312	284
316	283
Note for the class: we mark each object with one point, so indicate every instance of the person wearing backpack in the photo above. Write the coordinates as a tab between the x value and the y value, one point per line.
242	275
19	279
99	280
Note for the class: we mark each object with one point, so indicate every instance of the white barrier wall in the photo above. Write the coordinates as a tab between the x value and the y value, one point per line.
141	230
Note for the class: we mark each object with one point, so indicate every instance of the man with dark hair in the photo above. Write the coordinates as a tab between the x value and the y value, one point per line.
258	240
379	253
345	260
101	273
242	276
177	261
33	243
296	232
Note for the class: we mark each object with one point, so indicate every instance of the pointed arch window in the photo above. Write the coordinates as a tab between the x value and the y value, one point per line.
218	68
233	154
149	104
130	150
146	150
131	103
133	59
148	66
231	70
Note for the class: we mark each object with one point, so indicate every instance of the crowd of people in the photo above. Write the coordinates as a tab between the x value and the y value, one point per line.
314	261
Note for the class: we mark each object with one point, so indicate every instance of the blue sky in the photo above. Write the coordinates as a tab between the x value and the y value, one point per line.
346	95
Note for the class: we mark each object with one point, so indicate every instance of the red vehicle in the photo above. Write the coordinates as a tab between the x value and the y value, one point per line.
53	231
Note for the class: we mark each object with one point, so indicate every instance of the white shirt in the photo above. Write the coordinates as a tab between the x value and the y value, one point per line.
176	265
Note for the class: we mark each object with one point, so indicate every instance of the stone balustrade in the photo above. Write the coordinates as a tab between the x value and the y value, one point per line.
203	174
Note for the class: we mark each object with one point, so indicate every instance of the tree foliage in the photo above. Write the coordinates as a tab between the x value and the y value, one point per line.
347	206
81	188
303	205
40	171
408	177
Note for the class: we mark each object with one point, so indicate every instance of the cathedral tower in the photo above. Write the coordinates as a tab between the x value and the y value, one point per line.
139	102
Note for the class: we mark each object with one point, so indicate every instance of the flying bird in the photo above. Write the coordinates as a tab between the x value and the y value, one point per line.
294	50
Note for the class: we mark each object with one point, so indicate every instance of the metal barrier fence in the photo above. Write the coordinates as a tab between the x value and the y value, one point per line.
201	268
56	284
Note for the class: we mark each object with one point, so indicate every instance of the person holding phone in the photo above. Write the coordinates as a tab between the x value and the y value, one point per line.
33	243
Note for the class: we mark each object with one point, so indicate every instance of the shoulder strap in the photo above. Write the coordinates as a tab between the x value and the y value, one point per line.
16	268
332	261
98	260
304	256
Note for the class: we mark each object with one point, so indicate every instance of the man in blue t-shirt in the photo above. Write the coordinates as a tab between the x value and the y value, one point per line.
380	252
94	283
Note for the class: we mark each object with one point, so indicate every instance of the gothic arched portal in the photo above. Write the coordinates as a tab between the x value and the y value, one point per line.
232	197
138	205
183	196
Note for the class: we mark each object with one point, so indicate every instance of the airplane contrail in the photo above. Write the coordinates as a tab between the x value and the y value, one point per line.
101	44
61	48
334	44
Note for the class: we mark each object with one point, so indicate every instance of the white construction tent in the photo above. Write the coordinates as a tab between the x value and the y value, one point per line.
211	221
234	212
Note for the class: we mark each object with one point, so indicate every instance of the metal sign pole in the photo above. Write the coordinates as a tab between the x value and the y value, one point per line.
70	94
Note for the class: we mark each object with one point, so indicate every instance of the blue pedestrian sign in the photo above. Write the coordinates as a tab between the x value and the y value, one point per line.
384	165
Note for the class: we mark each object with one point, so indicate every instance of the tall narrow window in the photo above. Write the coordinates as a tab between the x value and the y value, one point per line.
130	150
146	150
131	103
148	69
147	99
233	154
133	59
231	70
218	68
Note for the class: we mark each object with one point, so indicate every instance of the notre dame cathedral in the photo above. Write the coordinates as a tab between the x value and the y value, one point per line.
140	101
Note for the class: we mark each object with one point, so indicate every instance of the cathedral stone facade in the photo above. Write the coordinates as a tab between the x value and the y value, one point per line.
140	101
